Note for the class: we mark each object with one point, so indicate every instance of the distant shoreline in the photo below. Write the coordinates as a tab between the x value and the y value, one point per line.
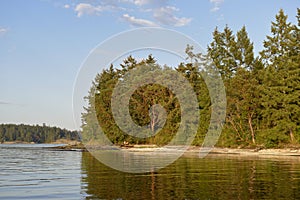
60	141
17	142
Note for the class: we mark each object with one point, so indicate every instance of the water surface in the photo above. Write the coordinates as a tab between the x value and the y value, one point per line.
34	172
214	177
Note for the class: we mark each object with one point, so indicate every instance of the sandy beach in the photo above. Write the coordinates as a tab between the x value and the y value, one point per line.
252	152
217	150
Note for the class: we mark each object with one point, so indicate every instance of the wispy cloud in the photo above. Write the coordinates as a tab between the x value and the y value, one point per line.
87	9
145	2
158	11
149	2
137	22
216	4
3	31
141	2
67	6
165	16
220	18
4	103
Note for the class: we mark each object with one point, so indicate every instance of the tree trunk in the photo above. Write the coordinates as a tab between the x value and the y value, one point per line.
251	129
292	136
231	121
153	119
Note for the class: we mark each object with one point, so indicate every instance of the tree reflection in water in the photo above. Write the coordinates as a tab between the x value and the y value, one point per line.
213	177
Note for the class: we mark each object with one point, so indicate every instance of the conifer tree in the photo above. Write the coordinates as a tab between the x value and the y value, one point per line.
280	100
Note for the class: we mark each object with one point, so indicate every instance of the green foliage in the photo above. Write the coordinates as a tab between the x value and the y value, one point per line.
99	111
281	93
263	93
233	57
36	134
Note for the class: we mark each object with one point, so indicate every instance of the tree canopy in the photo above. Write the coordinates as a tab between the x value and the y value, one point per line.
263	92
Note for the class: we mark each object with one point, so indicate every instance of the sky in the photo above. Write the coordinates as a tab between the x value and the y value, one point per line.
43	43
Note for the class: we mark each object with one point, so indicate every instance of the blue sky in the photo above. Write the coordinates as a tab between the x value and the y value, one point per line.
44	42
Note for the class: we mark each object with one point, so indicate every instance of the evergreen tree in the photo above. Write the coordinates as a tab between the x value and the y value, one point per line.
280	101
221	52
233	56
37	134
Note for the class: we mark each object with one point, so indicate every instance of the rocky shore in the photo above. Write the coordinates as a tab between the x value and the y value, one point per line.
74	146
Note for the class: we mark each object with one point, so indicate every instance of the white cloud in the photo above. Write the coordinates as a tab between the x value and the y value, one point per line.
162	13
165	15
3	31
138	22
217	4
141	2
149	2
87	9
220	18
215	9
66	6
216	1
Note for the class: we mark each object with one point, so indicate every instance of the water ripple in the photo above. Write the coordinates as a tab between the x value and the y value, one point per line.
29	172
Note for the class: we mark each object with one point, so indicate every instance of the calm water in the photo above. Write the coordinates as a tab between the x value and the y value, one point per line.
31	172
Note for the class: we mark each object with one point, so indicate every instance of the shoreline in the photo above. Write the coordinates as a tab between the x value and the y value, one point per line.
60	141
78	146
252	152
230	151
295	152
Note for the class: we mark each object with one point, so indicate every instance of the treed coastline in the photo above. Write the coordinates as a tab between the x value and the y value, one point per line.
263	92
34	133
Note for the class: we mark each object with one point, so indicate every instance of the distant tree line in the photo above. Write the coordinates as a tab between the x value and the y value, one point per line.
263	92
36	134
